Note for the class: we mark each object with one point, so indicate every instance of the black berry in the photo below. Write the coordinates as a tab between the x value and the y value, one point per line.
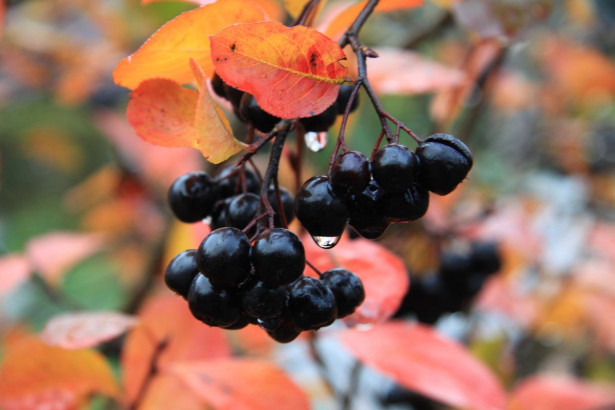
241	210
444	161
181	272
255	115
218	86
278	257
365	215
344	96
322	121
288	205
233	184
192	196
262	302
311	303
350	173
212	306
224	257
394	167
409	205
347	288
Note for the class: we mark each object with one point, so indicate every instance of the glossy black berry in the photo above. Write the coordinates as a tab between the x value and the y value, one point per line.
365	215
181	272
394	167
233	185
255	115
444	161
284	331
212	306
278	257
409	205
322	121
288	205
321	211
192	196
263	302
218	85
347	288
224	257
344	96
241	210
311	303
243	321
350	173
218	215
234	95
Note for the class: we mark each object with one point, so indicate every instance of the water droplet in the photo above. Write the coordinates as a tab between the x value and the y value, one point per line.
316	141
207	220
326	242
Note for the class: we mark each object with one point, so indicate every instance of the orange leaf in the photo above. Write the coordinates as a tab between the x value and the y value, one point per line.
87	329
382	272
337	24
2	13
271	7
166	54
398	71
167	318
420	359
545	392
242	384
34	375
163	394
53	254
15	270
292	72
164	113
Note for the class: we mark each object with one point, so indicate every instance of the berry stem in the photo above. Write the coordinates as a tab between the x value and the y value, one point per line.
314	268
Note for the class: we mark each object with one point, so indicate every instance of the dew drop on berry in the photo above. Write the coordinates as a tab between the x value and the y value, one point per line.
326	242
316	141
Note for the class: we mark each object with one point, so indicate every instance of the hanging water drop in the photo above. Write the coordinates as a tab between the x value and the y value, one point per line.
316	141
326	242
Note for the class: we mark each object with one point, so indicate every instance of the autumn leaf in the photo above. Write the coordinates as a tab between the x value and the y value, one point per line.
242	384
2	13
292	72
383	274
164	113
15	270
34	374
418	358
398	71
167	320
546	392
272	8
85	329
54	253
162	394
166	54
336	25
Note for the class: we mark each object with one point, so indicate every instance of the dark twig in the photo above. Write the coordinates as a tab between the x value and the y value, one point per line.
151	373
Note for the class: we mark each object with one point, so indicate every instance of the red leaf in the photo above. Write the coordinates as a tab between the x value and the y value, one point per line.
162	394
53	254
545	392
292	72
167	318
418	358
34	375
242	384
398	71
382	272
79	330
15	270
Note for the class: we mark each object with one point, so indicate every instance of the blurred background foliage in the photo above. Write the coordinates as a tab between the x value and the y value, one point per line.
528	85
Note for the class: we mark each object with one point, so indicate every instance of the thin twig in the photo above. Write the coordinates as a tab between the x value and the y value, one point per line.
152	371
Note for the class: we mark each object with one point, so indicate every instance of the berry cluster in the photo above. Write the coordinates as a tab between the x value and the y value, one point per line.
230	200
460	277
370	195
230	283
247	109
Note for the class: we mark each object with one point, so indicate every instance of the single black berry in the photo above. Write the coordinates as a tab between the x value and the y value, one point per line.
444	161
394	167
218	215
255	115
224	257
365	216
344	96
322	121
278	257
288	205
262	302
192	196
350	173
427	299
217	84
284	331
311	303
233	95
321	211
181	272
242	209
212	306
243	321
409	205
234	184
347	288
485	257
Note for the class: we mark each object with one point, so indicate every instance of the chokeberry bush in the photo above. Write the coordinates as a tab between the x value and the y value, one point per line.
306	204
